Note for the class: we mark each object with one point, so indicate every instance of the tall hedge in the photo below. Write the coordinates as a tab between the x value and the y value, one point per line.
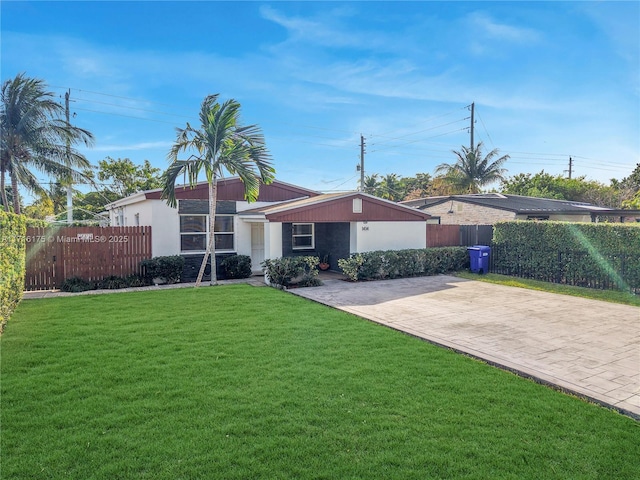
12	263
600	255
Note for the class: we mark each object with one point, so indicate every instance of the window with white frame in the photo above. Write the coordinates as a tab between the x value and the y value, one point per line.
194	233
302	236
224	233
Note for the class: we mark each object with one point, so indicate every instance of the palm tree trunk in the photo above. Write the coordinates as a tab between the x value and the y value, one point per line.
14	192
213	194
5	201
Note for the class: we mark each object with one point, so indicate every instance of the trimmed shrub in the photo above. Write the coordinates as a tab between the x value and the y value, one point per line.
597	255
286	272
12	263
112	282
169	268
236	266
383	264
77	284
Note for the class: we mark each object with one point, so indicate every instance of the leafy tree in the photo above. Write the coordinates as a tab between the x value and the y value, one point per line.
419	186
40	209
543	185
34	136
558	187
221	143
629	188
128	178
471	170
632	203
86	206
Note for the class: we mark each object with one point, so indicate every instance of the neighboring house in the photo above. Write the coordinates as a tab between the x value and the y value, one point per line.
489	208
286	220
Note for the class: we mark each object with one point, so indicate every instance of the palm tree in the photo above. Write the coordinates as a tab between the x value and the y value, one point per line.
471	171
391	187
34	136
371	184
220	144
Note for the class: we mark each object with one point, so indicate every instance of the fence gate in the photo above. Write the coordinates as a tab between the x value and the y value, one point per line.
92	253
476	235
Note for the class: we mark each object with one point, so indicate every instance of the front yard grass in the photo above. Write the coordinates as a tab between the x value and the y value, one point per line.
239	382
614	296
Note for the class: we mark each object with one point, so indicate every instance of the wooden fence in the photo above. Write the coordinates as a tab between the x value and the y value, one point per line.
458	235
92	253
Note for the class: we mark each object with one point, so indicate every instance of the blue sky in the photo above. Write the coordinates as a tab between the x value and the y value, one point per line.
549	80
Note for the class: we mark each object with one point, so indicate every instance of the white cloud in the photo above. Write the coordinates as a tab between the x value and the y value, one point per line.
328	30
502	31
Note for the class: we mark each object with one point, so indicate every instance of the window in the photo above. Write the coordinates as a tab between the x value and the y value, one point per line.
302	236
194	233
223	229
120	217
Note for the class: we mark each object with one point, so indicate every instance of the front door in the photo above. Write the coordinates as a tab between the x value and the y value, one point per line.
257	246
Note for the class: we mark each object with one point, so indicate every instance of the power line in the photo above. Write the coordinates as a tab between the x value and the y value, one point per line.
131	108
125	116
420	140
420	131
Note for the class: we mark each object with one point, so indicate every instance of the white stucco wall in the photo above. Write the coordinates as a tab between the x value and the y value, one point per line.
273	240
370	236
243	237
163	220
165	231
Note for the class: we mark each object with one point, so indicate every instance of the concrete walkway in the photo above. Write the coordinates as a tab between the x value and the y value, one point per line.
586	347
257	281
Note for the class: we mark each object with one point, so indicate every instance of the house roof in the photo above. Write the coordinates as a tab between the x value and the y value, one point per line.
228	189
337	207
521	205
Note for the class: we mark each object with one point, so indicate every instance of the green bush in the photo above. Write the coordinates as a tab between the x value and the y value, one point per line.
287	272
236	266
77	284
12	263
36	222
597	255
169	268
383	264
134	280
112	282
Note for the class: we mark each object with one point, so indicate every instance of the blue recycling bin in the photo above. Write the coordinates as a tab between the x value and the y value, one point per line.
479	257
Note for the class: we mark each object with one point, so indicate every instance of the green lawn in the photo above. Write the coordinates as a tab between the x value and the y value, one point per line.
240	382
613	296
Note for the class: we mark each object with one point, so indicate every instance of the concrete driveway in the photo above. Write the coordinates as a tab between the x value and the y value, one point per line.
586	347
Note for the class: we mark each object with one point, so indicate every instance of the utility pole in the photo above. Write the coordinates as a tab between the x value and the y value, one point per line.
70	184
570	167
473	106
361	163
